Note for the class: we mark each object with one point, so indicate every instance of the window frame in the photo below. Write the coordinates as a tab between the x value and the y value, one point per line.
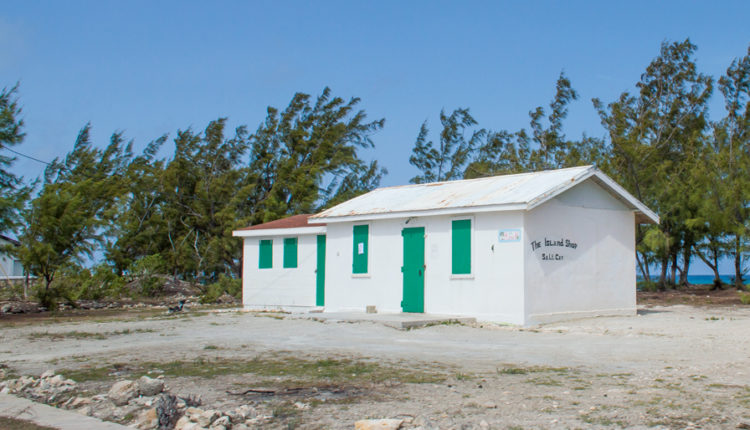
269	256
287	263
471	258
366	253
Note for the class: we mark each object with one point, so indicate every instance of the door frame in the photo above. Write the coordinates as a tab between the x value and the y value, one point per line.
403	269
320	278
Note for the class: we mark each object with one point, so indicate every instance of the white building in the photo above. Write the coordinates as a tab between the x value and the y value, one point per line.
283	264
10	267
523	249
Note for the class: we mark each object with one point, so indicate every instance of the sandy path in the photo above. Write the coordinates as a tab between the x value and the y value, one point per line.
704	340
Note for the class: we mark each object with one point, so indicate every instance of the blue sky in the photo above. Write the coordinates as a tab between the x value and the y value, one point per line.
152	67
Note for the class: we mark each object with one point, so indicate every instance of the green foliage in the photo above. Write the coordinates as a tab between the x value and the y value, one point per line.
64	222
744	298
12	192
224	284
144	272
88	284
655	140
306	157
446	161
544	147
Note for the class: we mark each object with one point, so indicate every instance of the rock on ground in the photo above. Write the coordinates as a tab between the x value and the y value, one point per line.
122	391
150	386
384	424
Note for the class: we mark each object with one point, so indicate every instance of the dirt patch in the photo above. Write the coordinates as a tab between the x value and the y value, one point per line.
16	424
670	366
697	295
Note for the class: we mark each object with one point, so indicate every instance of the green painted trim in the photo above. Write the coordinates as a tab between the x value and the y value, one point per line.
320	272
360	248
265	254
290	253
461	247
413	270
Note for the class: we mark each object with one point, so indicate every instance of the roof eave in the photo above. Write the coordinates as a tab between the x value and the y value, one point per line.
296	231
644	215
420	213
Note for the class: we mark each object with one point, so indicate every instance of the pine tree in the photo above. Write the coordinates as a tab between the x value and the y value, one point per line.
445	161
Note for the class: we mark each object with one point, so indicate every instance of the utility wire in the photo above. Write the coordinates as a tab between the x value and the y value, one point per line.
27	156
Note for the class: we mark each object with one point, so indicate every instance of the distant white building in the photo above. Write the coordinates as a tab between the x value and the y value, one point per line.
522	249
10	267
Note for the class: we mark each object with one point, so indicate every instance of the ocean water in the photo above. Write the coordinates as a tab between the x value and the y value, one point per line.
701	279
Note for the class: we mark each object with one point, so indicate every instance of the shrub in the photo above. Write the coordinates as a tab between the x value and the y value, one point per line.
75	283
744	298
648	286
224	284
144	273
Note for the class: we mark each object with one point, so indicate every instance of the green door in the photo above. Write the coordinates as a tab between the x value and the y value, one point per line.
413	269
320	272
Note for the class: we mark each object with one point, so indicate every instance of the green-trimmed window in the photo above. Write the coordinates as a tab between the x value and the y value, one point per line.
290	252
359	255
265	254
461	247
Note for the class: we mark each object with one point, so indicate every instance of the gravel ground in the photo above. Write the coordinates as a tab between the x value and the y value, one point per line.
670	366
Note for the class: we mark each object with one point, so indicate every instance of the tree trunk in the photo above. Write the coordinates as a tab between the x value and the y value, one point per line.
643	267
738	281
673	274
713	266
717	278
663	274
686	257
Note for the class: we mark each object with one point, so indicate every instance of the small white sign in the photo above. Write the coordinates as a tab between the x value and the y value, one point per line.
361	248
510	235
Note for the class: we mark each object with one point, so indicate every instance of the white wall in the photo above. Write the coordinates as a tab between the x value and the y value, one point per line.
278	287
7	269
595	278
493	292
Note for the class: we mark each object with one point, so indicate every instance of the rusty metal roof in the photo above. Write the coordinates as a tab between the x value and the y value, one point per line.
294	221
508	192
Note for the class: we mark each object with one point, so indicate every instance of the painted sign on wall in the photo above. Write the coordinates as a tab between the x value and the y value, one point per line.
510	235
556	245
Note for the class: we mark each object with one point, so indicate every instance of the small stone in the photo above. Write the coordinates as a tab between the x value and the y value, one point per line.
301	406
122	391
382	424
223	422
47	374
147	420
246	411
79	402
183	423
490	405
149	386
234	416
56	380
208	417
86	410
484	424
193	413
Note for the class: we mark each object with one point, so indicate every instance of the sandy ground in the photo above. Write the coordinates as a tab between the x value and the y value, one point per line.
670	366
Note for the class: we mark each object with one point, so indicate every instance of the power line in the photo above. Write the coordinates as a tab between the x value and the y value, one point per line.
28	156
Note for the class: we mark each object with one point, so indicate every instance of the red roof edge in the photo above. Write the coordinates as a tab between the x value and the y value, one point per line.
294	221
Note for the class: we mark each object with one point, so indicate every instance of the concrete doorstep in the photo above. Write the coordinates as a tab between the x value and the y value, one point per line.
45	415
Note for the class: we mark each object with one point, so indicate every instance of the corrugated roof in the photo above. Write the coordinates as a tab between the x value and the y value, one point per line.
508	192
294	221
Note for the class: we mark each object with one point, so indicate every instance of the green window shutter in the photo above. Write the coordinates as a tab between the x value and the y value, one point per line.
461	247
265	254
290	253
361	248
